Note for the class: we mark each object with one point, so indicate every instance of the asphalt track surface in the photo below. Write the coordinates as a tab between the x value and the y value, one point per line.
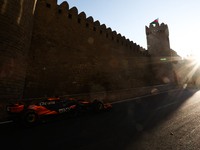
165	121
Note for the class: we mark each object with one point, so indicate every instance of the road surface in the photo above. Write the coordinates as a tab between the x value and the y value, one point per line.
165	121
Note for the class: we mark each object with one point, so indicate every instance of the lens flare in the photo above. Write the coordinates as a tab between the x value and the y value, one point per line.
166	80
154	91
197	82
184	86
90	40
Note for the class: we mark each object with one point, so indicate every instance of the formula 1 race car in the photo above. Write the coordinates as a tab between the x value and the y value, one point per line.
31	115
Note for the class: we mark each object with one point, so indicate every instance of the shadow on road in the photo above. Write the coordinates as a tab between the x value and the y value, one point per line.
113	129
151	111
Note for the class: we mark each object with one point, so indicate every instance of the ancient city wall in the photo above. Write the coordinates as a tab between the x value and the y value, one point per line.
158	40
159	49
72	54
16	18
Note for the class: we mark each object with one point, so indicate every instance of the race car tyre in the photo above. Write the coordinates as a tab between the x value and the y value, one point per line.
31	118
98	105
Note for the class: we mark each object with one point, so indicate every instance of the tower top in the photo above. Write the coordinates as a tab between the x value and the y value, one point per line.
156	28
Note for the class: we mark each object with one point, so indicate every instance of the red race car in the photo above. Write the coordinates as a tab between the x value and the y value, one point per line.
31	115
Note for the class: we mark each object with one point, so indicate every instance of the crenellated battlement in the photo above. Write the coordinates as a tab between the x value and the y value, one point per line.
88	22
163	28
65	52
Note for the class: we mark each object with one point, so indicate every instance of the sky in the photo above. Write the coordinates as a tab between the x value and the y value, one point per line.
129	18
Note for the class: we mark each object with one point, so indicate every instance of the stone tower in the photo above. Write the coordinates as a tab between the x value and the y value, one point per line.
159	49
16	28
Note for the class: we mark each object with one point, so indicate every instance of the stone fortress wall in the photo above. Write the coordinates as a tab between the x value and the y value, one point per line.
167	66
16	25
161	54
48	49
72	54
158	40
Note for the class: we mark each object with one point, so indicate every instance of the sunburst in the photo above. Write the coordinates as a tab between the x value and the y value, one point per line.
189	70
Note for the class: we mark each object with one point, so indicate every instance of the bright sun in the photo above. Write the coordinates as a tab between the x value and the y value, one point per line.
192	66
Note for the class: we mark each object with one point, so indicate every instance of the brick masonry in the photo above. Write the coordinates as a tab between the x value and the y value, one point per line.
72	54
49	49
161	54
16	29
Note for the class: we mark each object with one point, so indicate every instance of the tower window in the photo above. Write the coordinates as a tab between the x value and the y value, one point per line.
48	5
94	28
106	35
59	11
87	25
117	41
100	31
112	38
79	20
70	16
